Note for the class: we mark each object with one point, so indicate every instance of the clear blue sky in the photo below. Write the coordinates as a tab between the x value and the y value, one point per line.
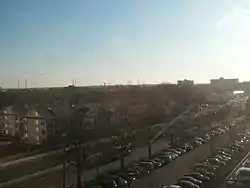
52	42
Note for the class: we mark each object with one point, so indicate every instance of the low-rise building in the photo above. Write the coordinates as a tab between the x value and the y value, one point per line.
38	125
185	82
10	118
225	83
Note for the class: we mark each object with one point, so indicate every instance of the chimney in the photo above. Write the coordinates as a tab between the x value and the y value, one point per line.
26	83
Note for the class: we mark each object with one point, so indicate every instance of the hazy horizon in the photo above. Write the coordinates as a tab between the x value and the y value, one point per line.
53	42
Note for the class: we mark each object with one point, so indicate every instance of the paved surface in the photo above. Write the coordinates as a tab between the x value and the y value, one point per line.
53	177
166	175
175	170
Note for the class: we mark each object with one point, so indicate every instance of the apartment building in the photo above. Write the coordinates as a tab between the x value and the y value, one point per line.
10	119
38	125
50	124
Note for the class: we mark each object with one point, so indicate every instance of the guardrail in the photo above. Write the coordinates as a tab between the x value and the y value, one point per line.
232	176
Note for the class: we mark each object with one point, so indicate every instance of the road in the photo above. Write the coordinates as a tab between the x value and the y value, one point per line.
30	165
175	170
53	176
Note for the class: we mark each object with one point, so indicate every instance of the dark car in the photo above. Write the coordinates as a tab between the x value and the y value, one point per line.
196	143
128	176
206	165
182	150
157	163
204	172
199	176
108	183
148	166
121	183
162	161
188	147
167	157
142	169
187	184
216	161
191	179
135	171
174	151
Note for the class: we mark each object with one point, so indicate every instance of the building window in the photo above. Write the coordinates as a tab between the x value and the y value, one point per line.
5	125
37	138
37	129
6	131
16	125
37	122
26	129
25	120
36	114
5	117
4	112
26	135
42	122
89	125
43	132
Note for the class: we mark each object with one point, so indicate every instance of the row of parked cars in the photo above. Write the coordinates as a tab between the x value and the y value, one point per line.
204	171
124	178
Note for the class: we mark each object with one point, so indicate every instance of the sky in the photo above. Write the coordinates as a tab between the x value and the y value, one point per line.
51	42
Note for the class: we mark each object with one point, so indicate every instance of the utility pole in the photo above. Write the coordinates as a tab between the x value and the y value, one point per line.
97	159
64	170
79	164
149	142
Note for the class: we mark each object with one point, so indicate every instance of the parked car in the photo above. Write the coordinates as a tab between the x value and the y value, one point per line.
168	156
216	161
121	183
174	151
187	184
191	179
135	171
128	176
172	186
147	166
196	143
222	157
204	172
181	150
206	165
108	183
188	147
199	139
199	176
157	163
162	161
143	169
